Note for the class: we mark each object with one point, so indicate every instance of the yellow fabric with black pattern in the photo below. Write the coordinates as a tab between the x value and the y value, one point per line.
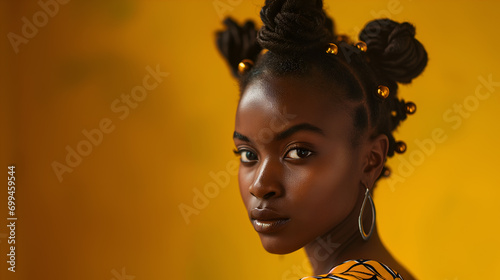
359	270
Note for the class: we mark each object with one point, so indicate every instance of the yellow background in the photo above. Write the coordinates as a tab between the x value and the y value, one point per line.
116	215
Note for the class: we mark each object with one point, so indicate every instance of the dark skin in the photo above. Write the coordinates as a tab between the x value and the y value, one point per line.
302	178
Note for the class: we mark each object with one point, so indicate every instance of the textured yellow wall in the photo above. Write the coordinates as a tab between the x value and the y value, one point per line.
114	212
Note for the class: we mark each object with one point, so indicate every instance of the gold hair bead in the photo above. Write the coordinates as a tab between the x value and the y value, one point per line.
400	147
410	108
386	172
361	46
383	92
332	49
244	66
394	113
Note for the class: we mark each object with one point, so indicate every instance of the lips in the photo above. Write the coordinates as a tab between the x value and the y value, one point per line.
266	220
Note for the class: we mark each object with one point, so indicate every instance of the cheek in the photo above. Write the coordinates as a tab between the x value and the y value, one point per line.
244	182
326	191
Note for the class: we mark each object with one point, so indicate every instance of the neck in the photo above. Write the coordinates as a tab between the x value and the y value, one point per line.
344	242
324	254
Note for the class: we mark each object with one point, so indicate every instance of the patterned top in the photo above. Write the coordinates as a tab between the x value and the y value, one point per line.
359	270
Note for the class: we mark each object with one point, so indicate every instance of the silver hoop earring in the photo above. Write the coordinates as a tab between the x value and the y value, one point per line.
360	218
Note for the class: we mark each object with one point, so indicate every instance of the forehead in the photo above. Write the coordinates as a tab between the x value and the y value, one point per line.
292	100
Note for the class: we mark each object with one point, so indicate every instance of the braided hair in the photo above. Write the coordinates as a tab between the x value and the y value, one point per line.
296	34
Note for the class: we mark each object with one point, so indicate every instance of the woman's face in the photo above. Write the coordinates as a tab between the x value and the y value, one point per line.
300	172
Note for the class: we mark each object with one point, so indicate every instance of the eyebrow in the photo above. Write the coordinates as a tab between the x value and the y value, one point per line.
237	135
287	133
299	127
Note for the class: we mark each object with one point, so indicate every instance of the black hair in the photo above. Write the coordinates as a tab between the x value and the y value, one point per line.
297	33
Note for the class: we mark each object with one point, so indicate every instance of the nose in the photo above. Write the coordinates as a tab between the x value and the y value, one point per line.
267	183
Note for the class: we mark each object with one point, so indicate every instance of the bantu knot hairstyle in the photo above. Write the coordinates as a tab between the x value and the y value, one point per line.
297	33
294	26
393	49
237	43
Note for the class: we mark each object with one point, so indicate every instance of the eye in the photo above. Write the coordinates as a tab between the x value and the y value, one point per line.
246	155
298	153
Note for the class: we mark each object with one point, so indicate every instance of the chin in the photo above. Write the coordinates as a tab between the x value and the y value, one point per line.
276	245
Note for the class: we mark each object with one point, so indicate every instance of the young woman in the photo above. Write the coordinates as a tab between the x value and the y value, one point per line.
313	130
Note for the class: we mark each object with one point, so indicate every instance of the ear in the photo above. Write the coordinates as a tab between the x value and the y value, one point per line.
375	157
